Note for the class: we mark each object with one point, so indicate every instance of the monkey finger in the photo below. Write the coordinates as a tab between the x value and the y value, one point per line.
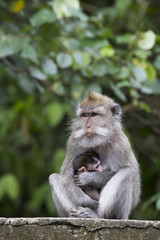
78	183
76	177
77	180
74	211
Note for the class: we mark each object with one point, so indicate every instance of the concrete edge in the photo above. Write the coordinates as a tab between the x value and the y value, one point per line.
90	223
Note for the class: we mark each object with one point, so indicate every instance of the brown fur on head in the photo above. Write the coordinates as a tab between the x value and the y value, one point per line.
96	99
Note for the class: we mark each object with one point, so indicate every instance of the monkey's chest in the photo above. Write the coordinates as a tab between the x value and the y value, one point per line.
111	162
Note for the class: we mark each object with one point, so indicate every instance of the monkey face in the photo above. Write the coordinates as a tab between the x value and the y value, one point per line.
91	121
94	124
91	127
98	167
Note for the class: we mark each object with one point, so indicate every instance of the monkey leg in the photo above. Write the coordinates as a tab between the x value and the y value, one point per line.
67	195
92	193
116	196
60	196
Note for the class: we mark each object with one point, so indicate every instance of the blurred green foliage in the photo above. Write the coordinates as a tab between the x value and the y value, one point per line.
51	55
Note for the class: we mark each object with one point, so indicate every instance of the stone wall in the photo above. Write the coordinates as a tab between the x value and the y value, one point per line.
74	228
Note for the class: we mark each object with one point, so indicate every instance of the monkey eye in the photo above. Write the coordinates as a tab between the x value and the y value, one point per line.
93	114
84	115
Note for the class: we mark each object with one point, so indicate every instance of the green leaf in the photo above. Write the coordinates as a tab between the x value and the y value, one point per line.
94	43
49	66
42	16
147	40
157	63
107	51
118	92
82	59
139	63
10	186
125	39
150	201
146	89
77	13
139	74
123	6
2	187
142	54
29	53
145	107
10	45
55	113
99	69
71	44
26	84
62	7
151	72
78	58
124	72
77	90
158	204
124	83
152	87
58	88
36	73
64	60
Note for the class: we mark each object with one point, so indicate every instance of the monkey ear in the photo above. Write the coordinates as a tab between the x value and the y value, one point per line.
116	110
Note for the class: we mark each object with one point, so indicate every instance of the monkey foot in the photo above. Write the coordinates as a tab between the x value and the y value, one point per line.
83	212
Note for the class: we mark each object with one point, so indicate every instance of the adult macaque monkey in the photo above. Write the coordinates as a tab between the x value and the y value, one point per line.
97	127
88	162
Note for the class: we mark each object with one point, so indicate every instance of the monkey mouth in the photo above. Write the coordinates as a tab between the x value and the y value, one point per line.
89	134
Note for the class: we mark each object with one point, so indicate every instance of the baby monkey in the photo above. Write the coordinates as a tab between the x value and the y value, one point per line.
88	162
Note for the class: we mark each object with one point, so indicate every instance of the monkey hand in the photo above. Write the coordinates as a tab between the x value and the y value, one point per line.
83	212
83	180
96	180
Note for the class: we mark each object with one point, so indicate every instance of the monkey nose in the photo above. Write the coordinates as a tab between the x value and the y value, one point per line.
88	129
88	124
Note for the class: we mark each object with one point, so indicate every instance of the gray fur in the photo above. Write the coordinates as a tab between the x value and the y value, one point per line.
120	181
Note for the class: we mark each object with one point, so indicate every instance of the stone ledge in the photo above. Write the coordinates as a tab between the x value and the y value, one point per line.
72	228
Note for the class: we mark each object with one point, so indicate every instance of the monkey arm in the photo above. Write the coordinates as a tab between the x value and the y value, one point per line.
93	179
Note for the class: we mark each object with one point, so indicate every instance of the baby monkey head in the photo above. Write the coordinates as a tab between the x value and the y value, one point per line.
87	162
